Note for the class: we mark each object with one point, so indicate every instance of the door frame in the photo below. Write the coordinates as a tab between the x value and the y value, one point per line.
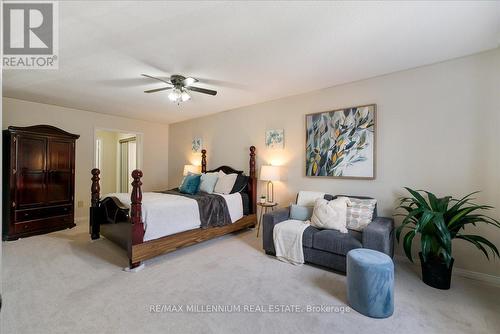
139	142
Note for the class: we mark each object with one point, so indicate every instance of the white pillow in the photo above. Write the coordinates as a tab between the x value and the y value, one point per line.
225	183
330	214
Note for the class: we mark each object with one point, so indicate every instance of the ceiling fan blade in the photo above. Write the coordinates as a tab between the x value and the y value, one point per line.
189	81
202	90
157	90
151	77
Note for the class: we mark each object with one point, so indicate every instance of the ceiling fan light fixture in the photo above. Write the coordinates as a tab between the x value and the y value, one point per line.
175	95
180	86
189	81
185	96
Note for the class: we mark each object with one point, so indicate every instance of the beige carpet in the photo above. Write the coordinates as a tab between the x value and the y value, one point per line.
63	283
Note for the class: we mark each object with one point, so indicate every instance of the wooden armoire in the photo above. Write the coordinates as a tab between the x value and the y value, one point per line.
38	180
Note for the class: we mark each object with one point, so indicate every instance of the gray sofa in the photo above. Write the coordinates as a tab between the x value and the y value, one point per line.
328	248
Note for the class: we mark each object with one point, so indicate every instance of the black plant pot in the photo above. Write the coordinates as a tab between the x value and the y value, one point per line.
435	273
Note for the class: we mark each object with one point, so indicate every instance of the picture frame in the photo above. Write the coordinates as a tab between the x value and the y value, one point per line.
196	145
342	143
275	139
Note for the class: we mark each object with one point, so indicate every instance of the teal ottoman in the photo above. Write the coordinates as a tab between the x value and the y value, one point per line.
370	282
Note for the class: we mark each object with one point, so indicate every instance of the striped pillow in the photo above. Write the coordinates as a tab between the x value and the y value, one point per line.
360	213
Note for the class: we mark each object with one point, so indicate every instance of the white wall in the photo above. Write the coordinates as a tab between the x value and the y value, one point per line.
437	130
155	141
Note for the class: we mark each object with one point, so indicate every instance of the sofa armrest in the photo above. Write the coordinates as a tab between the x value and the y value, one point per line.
379	235
269	220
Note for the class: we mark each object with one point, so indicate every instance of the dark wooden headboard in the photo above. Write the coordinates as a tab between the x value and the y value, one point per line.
252	177
226	169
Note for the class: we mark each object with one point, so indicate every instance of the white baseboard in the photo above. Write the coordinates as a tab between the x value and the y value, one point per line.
474	275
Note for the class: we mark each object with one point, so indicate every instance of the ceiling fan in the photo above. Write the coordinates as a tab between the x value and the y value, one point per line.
180	86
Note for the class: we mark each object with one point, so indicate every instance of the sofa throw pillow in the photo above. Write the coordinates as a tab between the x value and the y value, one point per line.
208	181
330	214
190	184
300	212
225	183
360	213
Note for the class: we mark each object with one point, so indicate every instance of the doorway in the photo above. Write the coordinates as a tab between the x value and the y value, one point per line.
117	154
128	162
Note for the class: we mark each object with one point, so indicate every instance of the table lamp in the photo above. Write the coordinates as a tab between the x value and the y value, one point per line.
191	169
270	173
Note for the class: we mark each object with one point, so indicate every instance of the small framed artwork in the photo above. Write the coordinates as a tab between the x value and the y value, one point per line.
196	145
275	139
341	143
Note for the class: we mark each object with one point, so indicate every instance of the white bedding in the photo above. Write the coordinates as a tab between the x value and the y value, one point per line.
234	205
165	214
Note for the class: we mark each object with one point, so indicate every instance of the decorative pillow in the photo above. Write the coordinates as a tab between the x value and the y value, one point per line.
300	212
240	184
190	184
184	177
330	214
360	213
208	181
225	183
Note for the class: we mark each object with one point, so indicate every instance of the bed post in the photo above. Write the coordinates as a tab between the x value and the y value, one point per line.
94	214
203	161
136	214
253	182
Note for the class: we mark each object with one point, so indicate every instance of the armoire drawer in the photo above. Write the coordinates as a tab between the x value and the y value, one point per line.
42	224
39	213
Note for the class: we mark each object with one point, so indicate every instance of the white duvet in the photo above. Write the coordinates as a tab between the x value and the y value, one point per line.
165	214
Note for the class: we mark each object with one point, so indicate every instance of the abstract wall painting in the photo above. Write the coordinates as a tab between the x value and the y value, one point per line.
275	139
341	143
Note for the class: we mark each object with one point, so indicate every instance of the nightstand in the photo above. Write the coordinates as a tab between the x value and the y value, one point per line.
264	208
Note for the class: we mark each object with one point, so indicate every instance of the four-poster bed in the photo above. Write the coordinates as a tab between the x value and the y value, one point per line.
124	224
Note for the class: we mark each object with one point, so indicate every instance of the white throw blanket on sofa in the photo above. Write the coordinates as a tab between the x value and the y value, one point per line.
287	237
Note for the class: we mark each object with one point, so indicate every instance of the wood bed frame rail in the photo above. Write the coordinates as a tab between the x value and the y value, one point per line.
138	249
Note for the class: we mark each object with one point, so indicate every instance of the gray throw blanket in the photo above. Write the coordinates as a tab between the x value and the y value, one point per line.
213	208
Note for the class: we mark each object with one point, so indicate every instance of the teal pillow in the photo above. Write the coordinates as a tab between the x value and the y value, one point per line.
208	181
190	184
300	212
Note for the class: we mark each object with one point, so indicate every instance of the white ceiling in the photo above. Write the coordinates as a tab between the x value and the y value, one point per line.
249	51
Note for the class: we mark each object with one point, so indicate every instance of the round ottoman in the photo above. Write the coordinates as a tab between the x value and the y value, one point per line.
370	282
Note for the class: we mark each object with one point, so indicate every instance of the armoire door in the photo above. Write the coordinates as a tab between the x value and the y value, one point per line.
30	168
60	171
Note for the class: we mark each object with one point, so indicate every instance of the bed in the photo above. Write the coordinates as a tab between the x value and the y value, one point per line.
154	223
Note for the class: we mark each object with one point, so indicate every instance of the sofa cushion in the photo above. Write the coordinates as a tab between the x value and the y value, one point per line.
334	241
308	235
356	234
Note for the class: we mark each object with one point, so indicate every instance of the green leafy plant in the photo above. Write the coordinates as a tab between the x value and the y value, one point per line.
439	221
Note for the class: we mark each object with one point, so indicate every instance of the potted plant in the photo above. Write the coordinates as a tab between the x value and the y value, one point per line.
263	199
439	221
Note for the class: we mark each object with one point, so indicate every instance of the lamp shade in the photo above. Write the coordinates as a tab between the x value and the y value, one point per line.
191	168
269	173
